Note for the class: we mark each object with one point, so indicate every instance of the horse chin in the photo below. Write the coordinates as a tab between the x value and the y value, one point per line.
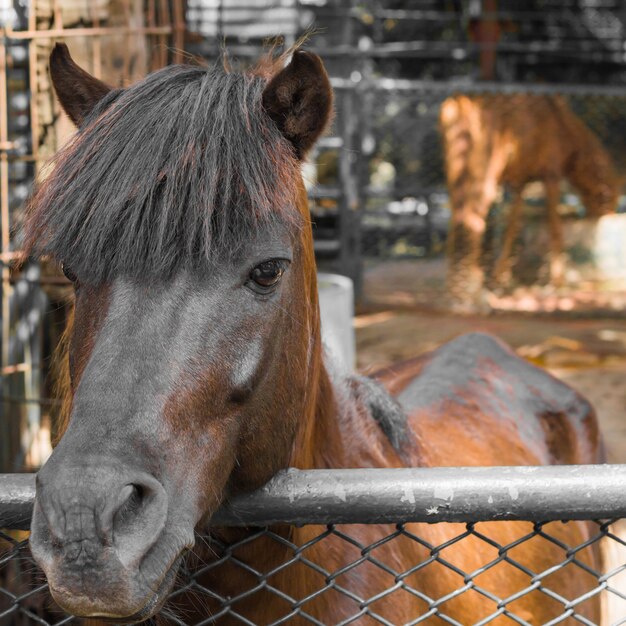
152	606
158	599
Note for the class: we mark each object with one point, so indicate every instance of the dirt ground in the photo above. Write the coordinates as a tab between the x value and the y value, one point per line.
399	319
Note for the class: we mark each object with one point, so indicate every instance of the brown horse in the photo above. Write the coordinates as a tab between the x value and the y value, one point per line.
197	373
512	140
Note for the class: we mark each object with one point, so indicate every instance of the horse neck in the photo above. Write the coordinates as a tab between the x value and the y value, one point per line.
320	417
589	164
337	428
342	430
591	161
319	404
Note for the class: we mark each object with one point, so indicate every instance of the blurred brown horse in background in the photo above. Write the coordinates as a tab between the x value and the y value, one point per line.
494	140
195	372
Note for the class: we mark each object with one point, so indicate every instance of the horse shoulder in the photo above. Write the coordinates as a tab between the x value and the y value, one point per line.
473	401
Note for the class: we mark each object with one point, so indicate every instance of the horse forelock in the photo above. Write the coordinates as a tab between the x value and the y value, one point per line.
170	173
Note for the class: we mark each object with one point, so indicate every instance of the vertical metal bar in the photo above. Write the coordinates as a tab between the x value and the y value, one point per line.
179	31
487	36
350	204
33	382
96	43
56	12
4	204
6	439
32	78
151	24
220	37
163	38
126	66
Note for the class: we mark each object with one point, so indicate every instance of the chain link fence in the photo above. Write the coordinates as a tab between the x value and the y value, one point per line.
463	569
406	204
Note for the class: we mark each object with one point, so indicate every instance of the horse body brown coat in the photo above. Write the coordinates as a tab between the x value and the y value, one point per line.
512	140
472	402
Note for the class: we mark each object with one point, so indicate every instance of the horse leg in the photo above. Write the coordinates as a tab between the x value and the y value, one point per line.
465	276
502	270
474	170
556	258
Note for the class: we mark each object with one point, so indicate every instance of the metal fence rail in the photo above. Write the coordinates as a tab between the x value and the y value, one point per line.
335	507
387	496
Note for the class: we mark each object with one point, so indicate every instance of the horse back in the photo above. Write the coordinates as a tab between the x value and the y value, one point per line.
505	135
475	402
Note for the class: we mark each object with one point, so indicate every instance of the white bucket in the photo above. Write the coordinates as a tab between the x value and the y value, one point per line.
336	296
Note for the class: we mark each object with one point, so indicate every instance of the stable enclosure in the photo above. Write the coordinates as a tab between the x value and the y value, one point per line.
415	196
380	182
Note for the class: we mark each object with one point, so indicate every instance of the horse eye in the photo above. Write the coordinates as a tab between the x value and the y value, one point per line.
67	272
268	273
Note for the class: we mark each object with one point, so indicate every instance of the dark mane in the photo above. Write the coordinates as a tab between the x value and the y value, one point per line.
164	175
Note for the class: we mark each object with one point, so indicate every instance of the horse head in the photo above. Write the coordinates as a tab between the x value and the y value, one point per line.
179	214
593	174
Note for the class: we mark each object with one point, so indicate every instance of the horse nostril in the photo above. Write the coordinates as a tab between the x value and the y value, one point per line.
138	517
129	501
138	496
119	516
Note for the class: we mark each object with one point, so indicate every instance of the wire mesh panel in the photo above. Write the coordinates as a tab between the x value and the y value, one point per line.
366	581
404	142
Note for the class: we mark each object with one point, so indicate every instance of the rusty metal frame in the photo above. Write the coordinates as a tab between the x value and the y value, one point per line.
163	21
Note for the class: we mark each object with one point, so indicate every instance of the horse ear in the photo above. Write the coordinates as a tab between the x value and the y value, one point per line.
300	100
78	91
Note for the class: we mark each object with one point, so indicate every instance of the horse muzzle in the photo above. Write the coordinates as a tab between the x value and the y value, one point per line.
98	534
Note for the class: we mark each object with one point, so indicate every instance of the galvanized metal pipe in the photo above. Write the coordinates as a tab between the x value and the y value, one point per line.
62	33
17	494
447	88
444	494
